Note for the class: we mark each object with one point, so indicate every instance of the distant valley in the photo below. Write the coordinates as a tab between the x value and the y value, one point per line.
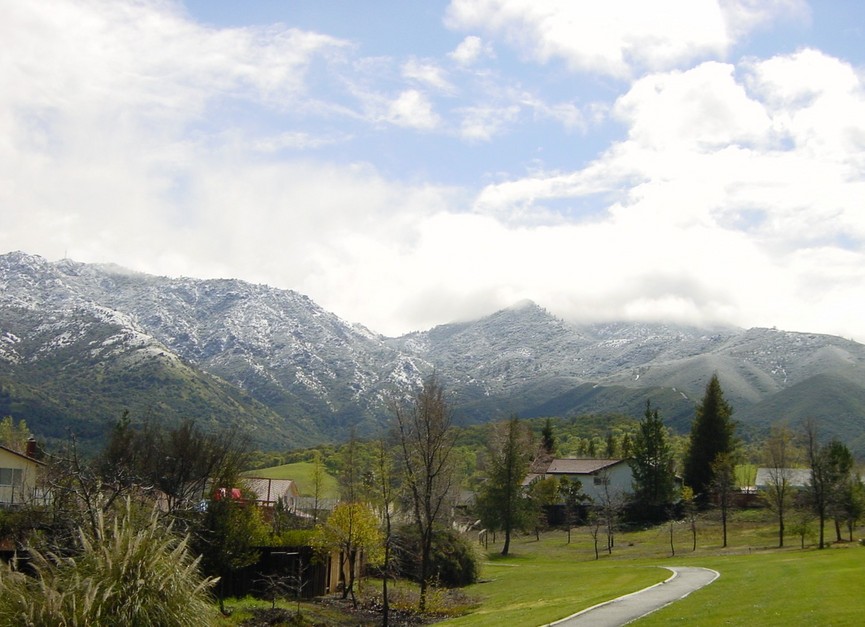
81	343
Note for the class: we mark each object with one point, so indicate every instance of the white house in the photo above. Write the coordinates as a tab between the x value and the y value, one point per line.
19	478
600	477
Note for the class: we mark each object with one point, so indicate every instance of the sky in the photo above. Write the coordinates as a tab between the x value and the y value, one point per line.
408	164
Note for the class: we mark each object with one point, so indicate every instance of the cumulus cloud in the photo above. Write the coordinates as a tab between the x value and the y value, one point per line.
755	176
731	192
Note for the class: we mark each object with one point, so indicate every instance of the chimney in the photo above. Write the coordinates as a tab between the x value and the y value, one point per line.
30	451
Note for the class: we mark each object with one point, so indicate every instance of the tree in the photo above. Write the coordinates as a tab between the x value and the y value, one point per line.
501	500
572	495
548	438
723	484
426	439
14	436
691	513
351	529
712	433
820	485
779	457
610	505
652	463
317	484
840	466
228	532
542	494
384	466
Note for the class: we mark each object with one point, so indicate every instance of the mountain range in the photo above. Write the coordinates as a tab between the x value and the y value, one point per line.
82	343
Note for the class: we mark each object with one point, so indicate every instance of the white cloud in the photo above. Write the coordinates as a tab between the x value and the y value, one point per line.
413	109
429	74
128	133
472	49
750	184
617	37
482	123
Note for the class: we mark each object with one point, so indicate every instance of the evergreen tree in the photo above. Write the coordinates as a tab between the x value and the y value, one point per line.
501	501
548	439
652	462
712	433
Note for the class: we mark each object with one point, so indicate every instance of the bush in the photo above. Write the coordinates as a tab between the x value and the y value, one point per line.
454	560
129	574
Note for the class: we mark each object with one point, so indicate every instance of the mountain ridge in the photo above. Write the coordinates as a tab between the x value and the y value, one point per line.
308	376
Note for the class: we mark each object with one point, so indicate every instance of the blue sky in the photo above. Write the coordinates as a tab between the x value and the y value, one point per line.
407	164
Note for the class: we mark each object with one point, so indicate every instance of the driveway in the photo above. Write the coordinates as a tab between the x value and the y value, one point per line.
632	606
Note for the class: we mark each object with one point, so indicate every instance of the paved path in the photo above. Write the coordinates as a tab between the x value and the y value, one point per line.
632	606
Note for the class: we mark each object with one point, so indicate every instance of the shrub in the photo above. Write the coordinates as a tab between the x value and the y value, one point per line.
128	574
454	560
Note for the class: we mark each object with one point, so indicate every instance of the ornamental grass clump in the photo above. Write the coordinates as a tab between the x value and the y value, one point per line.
127	574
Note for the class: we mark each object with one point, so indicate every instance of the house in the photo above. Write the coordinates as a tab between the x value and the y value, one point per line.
795	477
269	491
600	477
19	477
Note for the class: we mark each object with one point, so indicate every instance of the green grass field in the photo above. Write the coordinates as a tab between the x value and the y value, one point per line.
301	473
759	584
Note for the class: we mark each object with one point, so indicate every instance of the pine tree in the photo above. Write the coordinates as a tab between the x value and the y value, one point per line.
501	500
652	462
712	433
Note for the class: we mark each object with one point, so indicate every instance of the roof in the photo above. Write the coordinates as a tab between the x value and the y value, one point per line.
798	477
21	455
271	489
580	466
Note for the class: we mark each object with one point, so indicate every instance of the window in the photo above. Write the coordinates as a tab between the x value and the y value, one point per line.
601	480
11	476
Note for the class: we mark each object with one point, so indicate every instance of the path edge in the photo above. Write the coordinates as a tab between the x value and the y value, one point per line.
625	596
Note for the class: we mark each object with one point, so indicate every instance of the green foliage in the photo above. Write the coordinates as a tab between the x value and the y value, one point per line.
14	436
351	527
500	501
227	535
454	560
652	463
712	433
79	389
128	574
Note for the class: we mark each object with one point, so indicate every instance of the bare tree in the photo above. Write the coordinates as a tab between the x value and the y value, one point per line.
426	439
384	468
779	457
723	483
317	484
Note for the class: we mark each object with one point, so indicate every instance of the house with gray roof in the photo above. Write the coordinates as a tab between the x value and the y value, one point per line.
598	476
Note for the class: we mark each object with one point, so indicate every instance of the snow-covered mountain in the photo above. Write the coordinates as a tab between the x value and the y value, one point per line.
296	374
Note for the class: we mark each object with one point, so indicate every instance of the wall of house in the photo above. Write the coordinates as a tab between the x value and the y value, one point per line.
619	482
17	478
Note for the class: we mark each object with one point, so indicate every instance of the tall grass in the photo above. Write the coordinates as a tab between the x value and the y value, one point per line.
130	574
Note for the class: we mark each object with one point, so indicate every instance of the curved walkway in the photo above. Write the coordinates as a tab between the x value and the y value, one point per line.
632	606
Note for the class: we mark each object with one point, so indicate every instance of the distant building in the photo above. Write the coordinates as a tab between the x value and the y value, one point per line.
795	477
597	475
20	475
269	491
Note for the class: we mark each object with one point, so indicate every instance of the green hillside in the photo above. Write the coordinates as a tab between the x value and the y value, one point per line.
302	474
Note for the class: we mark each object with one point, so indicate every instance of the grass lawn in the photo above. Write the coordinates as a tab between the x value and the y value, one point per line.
789	587
759	584
543	581
301	473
